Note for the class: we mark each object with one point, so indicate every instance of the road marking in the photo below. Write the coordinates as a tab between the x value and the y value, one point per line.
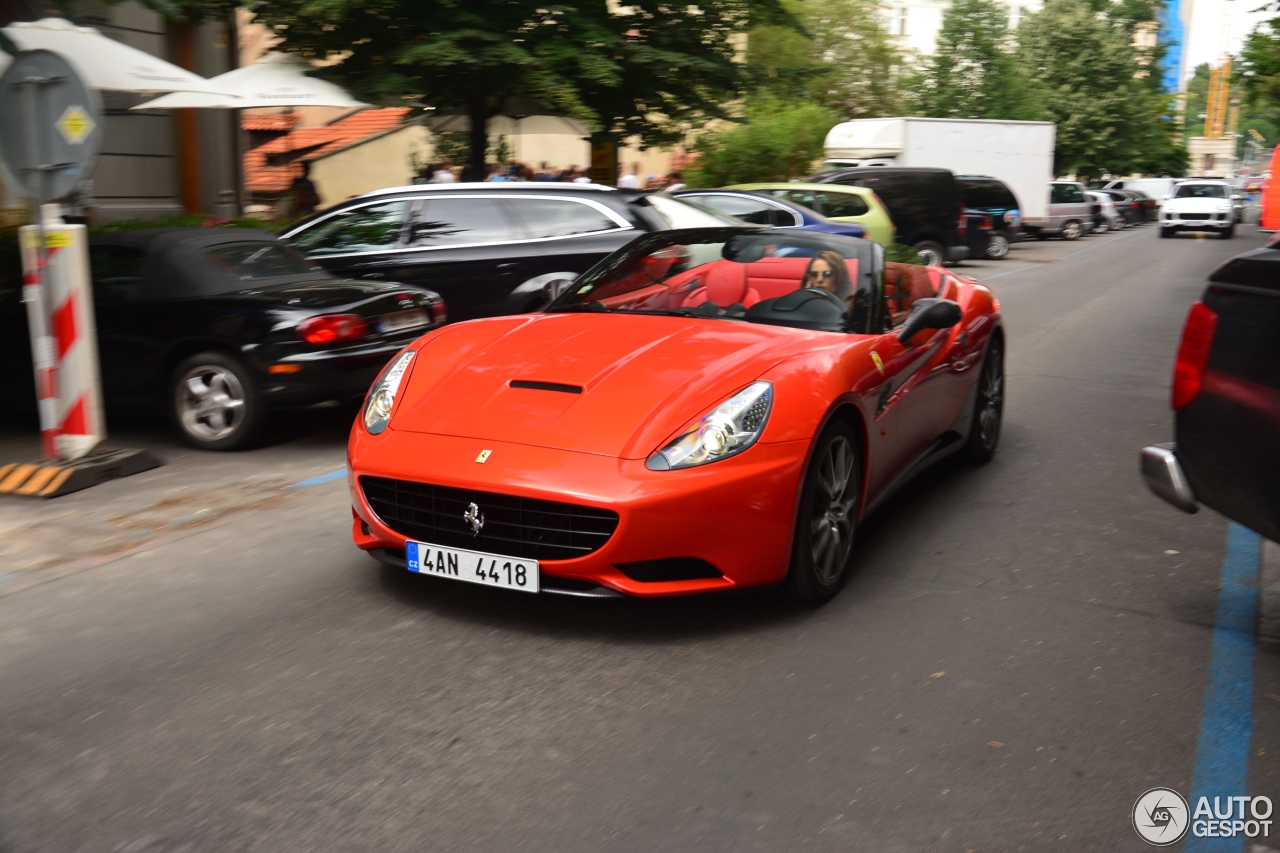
323	478
1226	721
1140	230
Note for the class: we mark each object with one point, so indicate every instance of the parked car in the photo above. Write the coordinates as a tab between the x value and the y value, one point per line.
993	197
924	203
217	327
1109	214
1126	205
1149	207
756	208
1157	188
491	248
1202	205
1070	212
1226	399
775	383
980	235
838	203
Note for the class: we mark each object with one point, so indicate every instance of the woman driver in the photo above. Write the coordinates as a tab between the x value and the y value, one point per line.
827	270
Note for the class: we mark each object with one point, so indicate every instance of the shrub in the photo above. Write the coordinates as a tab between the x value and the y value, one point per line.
774	143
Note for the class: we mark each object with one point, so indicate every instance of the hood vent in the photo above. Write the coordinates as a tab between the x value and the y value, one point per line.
546	386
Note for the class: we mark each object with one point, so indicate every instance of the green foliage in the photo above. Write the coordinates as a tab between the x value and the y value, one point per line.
899	253
646	68
195	220
840	57
974	73
776	142
1258	73
1090	80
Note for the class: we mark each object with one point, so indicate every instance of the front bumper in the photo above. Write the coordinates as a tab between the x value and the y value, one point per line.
1215	222
735	514
1165	477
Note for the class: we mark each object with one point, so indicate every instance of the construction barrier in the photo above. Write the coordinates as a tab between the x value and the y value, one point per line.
1270	217
64	342
54	479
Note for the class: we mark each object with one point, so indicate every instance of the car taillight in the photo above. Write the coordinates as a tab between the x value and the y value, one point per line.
962	225
332	328
1193	354
987	224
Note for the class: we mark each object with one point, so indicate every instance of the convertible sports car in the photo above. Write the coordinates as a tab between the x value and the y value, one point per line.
705	409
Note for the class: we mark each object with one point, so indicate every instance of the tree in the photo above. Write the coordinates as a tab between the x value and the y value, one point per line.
1091	81
839	57
648	69
1259	72
973	73
777	142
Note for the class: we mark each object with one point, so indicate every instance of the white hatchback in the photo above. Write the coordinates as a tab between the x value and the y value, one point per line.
1198	206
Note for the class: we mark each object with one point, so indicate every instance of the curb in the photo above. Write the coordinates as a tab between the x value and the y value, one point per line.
1269	592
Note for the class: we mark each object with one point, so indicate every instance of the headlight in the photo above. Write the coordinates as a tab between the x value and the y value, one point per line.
377	411
727	430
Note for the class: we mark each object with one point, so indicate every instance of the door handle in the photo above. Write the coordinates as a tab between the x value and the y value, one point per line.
374	275
512	267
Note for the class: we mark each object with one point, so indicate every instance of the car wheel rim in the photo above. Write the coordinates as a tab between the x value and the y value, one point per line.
991	398
211	402
1071	231
834	507
929	257
998	247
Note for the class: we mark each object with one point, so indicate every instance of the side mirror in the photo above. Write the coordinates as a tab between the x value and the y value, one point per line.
929	314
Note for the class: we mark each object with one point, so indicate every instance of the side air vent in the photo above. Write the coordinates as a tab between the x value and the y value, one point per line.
546	386
669	569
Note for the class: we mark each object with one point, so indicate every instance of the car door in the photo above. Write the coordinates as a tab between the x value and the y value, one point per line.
356	242
467	248
124	348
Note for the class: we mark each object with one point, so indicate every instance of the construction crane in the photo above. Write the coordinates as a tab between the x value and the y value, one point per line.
1215	121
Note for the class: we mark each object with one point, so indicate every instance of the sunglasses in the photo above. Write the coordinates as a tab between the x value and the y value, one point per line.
820	274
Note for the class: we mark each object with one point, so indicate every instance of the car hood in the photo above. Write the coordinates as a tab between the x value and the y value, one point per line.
627	382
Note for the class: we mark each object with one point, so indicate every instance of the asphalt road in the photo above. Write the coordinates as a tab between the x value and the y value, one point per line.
197	659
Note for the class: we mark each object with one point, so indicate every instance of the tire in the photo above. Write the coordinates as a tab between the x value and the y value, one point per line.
827	522
933	254
215	402
1166	232
1228	233
1118	224
1071	229
998	246
988	406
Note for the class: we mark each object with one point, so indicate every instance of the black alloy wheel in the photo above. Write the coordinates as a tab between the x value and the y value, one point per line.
828	518
215	402
988	406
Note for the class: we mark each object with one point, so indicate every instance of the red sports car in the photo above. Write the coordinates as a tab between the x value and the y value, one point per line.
703	410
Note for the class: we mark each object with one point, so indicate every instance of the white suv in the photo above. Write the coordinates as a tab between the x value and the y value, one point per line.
1198	206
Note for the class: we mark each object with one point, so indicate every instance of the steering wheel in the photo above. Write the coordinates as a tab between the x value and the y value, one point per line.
835	300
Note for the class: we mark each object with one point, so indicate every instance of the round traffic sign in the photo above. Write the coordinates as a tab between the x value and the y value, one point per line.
50	140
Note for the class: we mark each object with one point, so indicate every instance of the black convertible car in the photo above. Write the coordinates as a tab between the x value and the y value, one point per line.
217	327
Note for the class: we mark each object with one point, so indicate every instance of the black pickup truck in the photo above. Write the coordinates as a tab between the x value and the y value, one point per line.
1226	399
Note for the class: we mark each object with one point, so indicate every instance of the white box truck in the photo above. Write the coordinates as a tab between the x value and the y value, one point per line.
1019	153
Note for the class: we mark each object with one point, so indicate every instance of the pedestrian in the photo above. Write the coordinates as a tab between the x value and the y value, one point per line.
302	195
675	182
631	180
581	177
443	173
545	172
495	173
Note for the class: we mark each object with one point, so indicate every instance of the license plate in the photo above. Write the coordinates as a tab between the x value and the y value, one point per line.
472	566
402	320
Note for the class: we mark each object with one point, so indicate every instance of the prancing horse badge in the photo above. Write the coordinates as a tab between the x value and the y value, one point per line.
484	456
875	359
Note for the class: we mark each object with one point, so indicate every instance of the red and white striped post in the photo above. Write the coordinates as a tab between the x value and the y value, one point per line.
64	344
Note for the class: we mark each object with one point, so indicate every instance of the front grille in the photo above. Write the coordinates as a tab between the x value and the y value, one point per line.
1195	216
513	526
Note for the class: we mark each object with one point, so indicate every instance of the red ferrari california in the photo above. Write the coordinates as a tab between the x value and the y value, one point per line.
703	410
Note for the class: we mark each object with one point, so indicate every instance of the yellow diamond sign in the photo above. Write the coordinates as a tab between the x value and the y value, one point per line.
75	125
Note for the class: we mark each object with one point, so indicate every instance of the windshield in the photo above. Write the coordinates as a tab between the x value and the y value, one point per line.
248	261
726	273
678	213
1200	191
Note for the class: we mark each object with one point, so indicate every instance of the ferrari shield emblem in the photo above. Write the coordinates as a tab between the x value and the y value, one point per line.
484	456
875	359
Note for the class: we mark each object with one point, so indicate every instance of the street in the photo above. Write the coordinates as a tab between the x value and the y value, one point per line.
198	658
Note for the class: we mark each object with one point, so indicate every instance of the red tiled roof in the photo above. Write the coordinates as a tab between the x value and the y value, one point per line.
270	121
308	143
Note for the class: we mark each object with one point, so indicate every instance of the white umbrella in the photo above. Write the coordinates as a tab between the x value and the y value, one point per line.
275	80
101	62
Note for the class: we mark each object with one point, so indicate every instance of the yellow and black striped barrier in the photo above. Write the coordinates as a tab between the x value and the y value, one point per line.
54	479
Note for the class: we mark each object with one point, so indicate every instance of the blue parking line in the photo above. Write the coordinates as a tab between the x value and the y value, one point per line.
323	478
1226	721
1064	257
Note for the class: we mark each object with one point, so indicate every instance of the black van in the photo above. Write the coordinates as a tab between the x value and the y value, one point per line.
994	198
924	203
